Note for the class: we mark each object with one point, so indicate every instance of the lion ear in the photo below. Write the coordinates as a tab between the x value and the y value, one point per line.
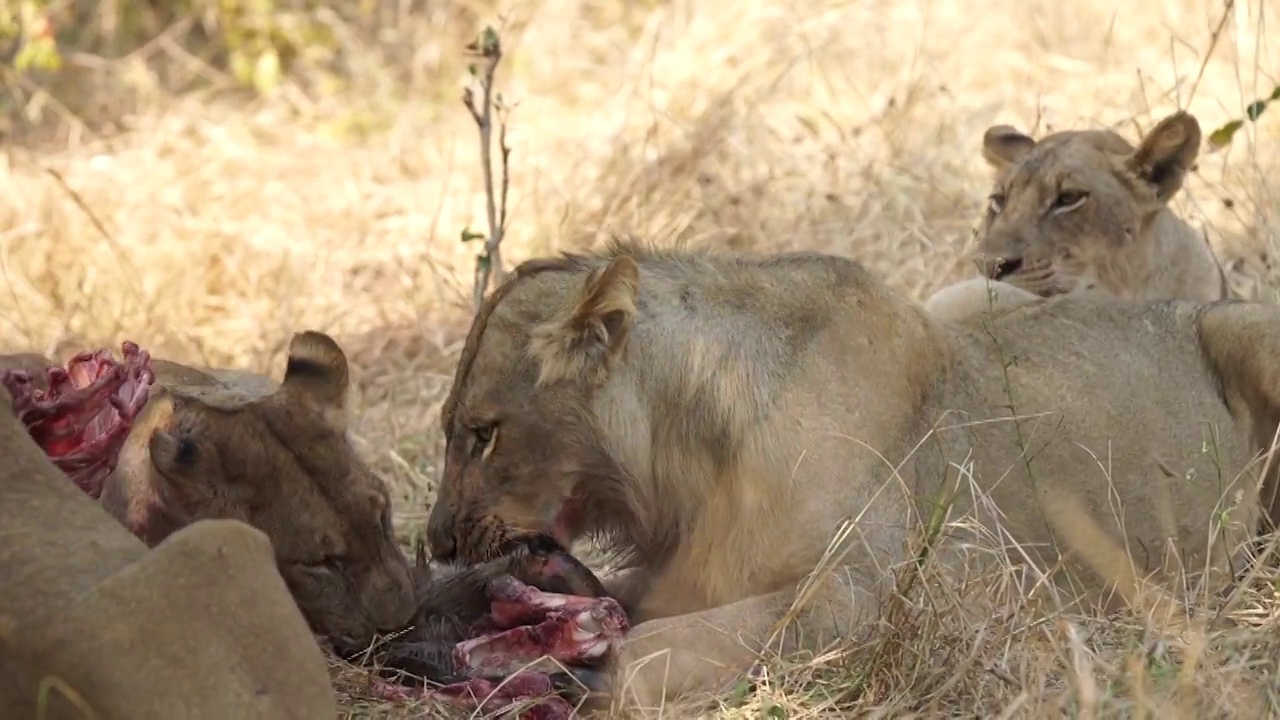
1003	146
579	345
317	375
1167	154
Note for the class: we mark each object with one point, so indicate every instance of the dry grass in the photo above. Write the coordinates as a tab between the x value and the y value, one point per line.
849	127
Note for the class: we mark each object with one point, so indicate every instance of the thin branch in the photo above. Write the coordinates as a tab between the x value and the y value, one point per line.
489	262
123	257
506	185
1213	44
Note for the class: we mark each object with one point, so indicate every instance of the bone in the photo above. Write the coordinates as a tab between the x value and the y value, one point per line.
506	632
567	629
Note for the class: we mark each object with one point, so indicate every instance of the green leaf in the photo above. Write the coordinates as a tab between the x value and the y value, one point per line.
266	71
489	41
40	53
738	694
468	235
1221	137
775	711
241	67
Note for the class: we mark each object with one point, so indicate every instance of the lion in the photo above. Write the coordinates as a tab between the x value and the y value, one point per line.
715	419
200	626
1085	212
225	443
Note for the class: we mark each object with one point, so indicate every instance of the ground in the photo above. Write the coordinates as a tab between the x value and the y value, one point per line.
209	227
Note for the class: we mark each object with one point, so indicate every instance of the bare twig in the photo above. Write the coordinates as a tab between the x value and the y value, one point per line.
489	262
130	269
1227	7
84	207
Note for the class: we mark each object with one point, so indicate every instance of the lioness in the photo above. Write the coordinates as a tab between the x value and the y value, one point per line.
714	419
93	624
218	443
1085	212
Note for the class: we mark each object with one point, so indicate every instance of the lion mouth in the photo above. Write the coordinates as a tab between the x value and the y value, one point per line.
1002	268
83	419
1038	280
566	522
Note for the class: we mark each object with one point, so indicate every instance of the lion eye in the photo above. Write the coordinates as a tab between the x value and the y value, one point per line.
995	203
1069	200
484	436
186	452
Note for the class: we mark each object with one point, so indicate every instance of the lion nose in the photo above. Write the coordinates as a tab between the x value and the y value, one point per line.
444	550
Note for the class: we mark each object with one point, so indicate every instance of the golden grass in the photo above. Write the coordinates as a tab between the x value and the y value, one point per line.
849	127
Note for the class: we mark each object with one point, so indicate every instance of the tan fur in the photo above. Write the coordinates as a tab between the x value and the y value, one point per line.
755	404
222	443
1084	212
201	626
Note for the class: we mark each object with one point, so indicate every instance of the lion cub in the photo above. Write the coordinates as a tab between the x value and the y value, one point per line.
1086	213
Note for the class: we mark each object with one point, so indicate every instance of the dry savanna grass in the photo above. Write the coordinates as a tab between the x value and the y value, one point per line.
226	224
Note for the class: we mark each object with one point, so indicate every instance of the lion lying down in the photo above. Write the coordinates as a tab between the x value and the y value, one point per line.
1085	212
209	444
717	419
473	626
200	626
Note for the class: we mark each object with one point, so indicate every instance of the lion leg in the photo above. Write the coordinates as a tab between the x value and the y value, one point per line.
686	656
972	298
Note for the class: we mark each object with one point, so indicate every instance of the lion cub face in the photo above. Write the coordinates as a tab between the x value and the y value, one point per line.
523	452
278	459
1073	212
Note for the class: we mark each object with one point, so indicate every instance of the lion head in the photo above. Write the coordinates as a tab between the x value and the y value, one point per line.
529	355
228	445
1084	211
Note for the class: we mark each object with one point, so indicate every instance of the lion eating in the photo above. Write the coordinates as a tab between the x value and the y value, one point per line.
715	420
95	623
534	625
472	627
